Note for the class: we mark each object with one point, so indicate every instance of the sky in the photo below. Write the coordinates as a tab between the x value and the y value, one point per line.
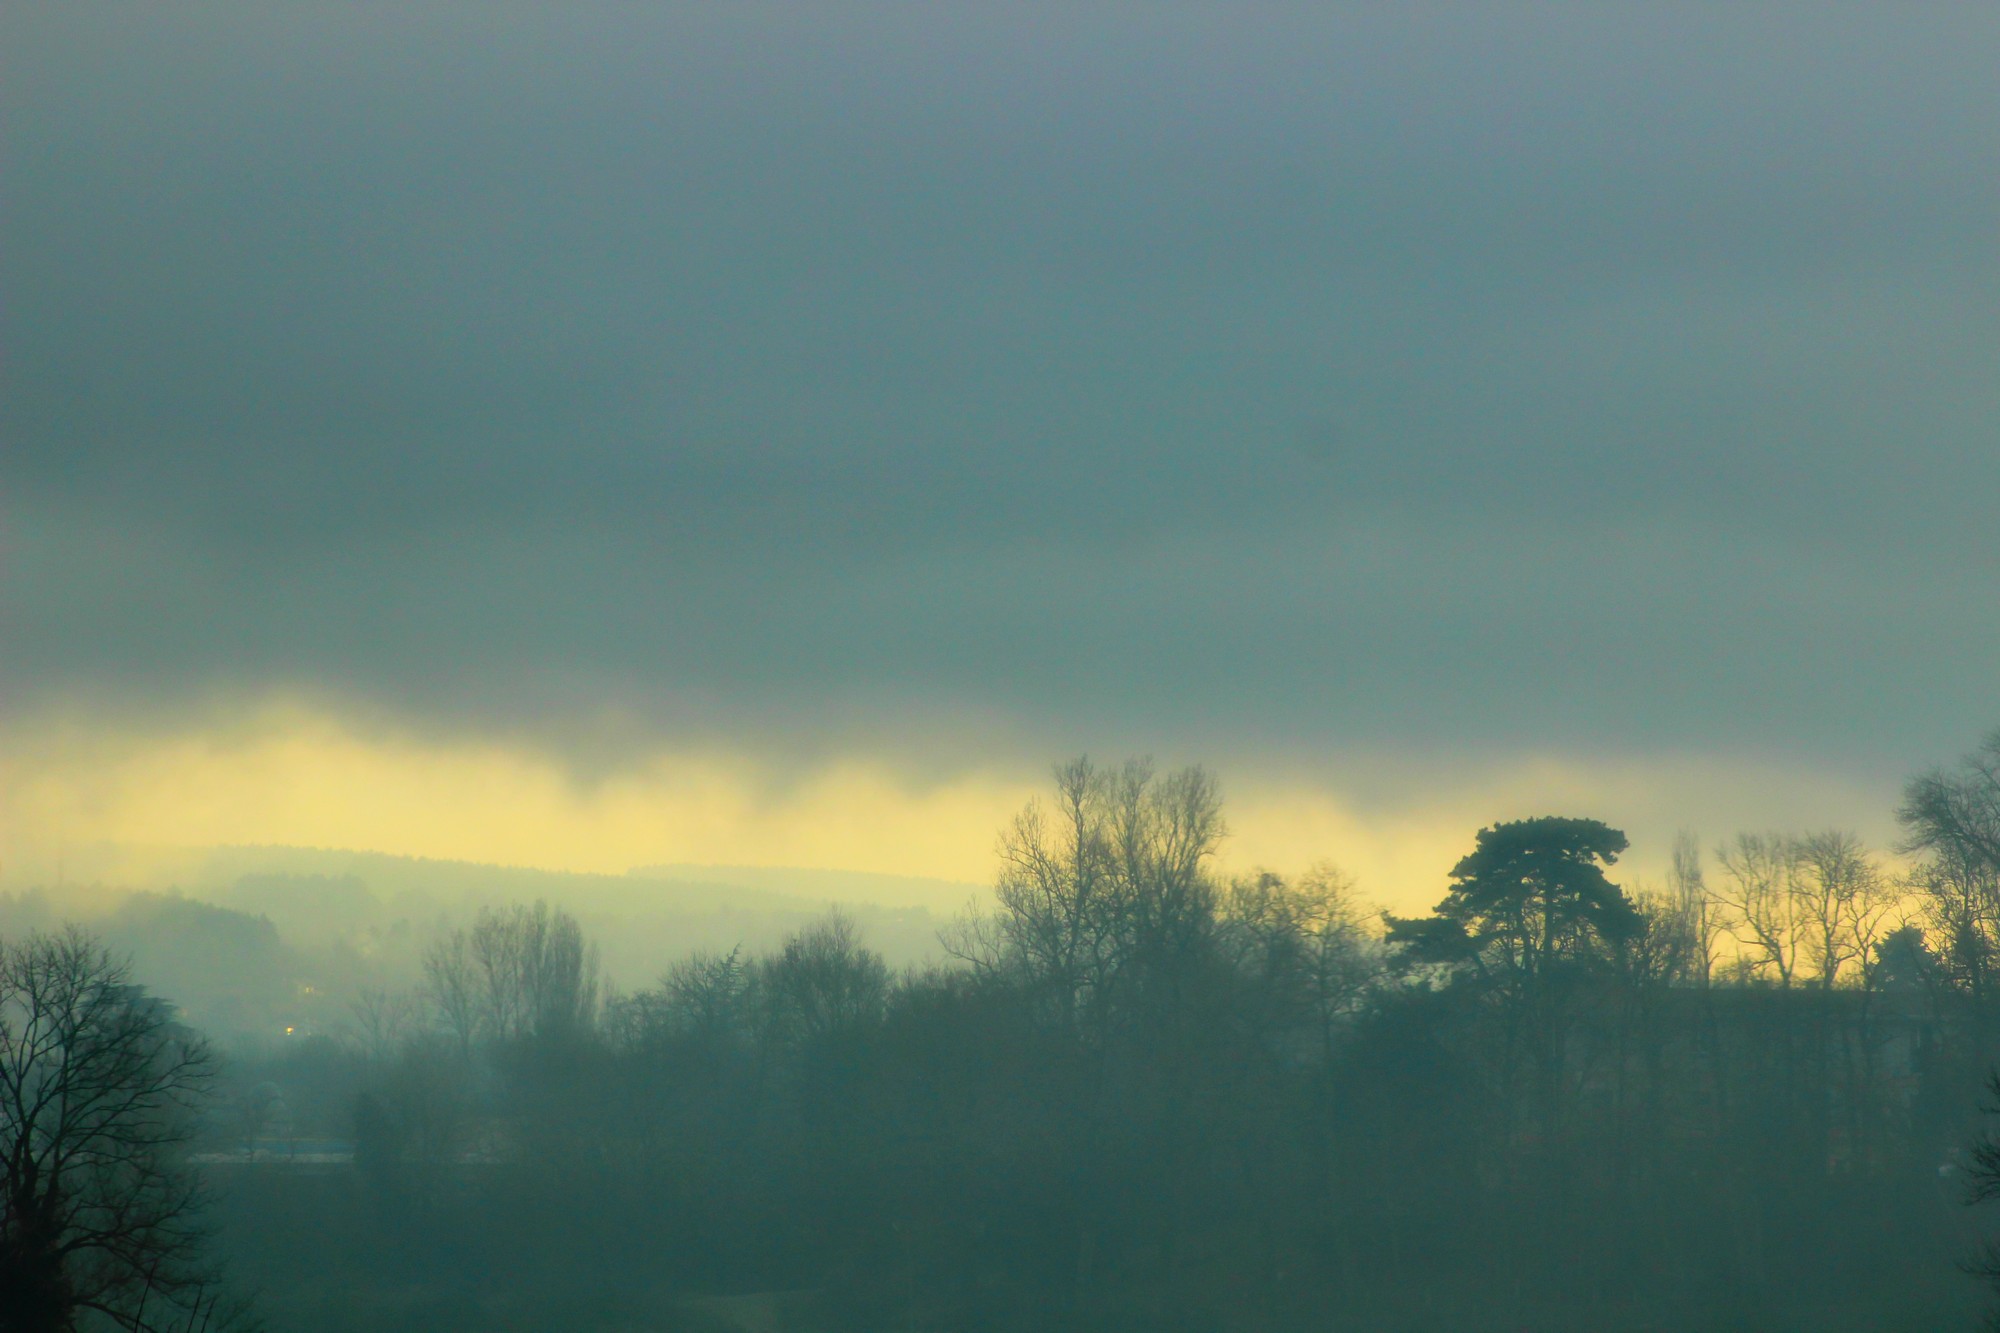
592	435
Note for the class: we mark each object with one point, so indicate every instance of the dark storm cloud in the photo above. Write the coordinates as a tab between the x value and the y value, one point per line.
1270	377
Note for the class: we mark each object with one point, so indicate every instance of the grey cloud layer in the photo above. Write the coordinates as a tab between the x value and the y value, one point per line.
1293	379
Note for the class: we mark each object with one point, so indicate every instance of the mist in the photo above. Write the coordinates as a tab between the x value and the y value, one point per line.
1119	1087
860	668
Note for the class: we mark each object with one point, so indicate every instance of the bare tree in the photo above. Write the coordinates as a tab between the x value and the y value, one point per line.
1164	831
1669	950
1982	1185
540	976
1957	812
1761	906
522	973
384	1021
1305	943
1694	907
704	999
1951	818
99	1096
1057	891
452	984
1107	882
1959	900
824	980
1845	904
706	994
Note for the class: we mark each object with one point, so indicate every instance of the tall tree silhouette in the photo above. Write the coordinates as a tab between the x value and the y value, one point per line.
99	1094
1530	898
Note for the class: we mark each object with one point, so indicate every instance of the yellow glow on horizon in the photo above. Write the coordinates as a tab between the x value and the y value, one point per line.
299	779
291	776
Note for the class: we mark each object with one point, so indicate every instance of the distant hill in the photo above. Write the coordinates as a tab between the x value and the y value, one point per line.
846	886
343	920
227	972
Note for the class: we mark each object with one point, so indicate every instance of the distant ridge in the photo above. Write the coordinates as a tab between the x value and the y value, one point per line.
390	875
848	886
644	920
449	882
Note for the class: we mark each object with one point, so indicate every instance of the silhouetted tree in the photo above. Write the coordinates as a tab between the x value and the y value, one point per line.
1163	1098
1530	924
1951	819
1957	811
452	984
822	981
1762	904
1057	895
520	974
383	1020
1303	946
1982	1185
1694	909
99	1094
1845	904
1104	892
703	1000
1529	899
1959	899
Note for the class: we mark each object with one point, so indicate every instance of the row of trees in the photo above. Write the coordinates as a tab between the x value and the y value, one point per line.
1140	1094
1142	1091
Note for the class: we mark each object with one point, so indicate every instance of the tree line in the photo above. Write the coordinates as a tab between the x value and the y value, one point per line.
1144	1094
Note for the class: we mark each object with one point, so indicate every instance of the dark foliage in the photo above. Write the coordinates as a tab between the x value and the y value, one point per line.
100	1094
1145	1096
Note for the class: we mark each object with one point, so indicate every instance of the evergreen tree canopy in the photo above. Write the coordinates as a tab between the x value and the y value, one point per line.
1531	895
